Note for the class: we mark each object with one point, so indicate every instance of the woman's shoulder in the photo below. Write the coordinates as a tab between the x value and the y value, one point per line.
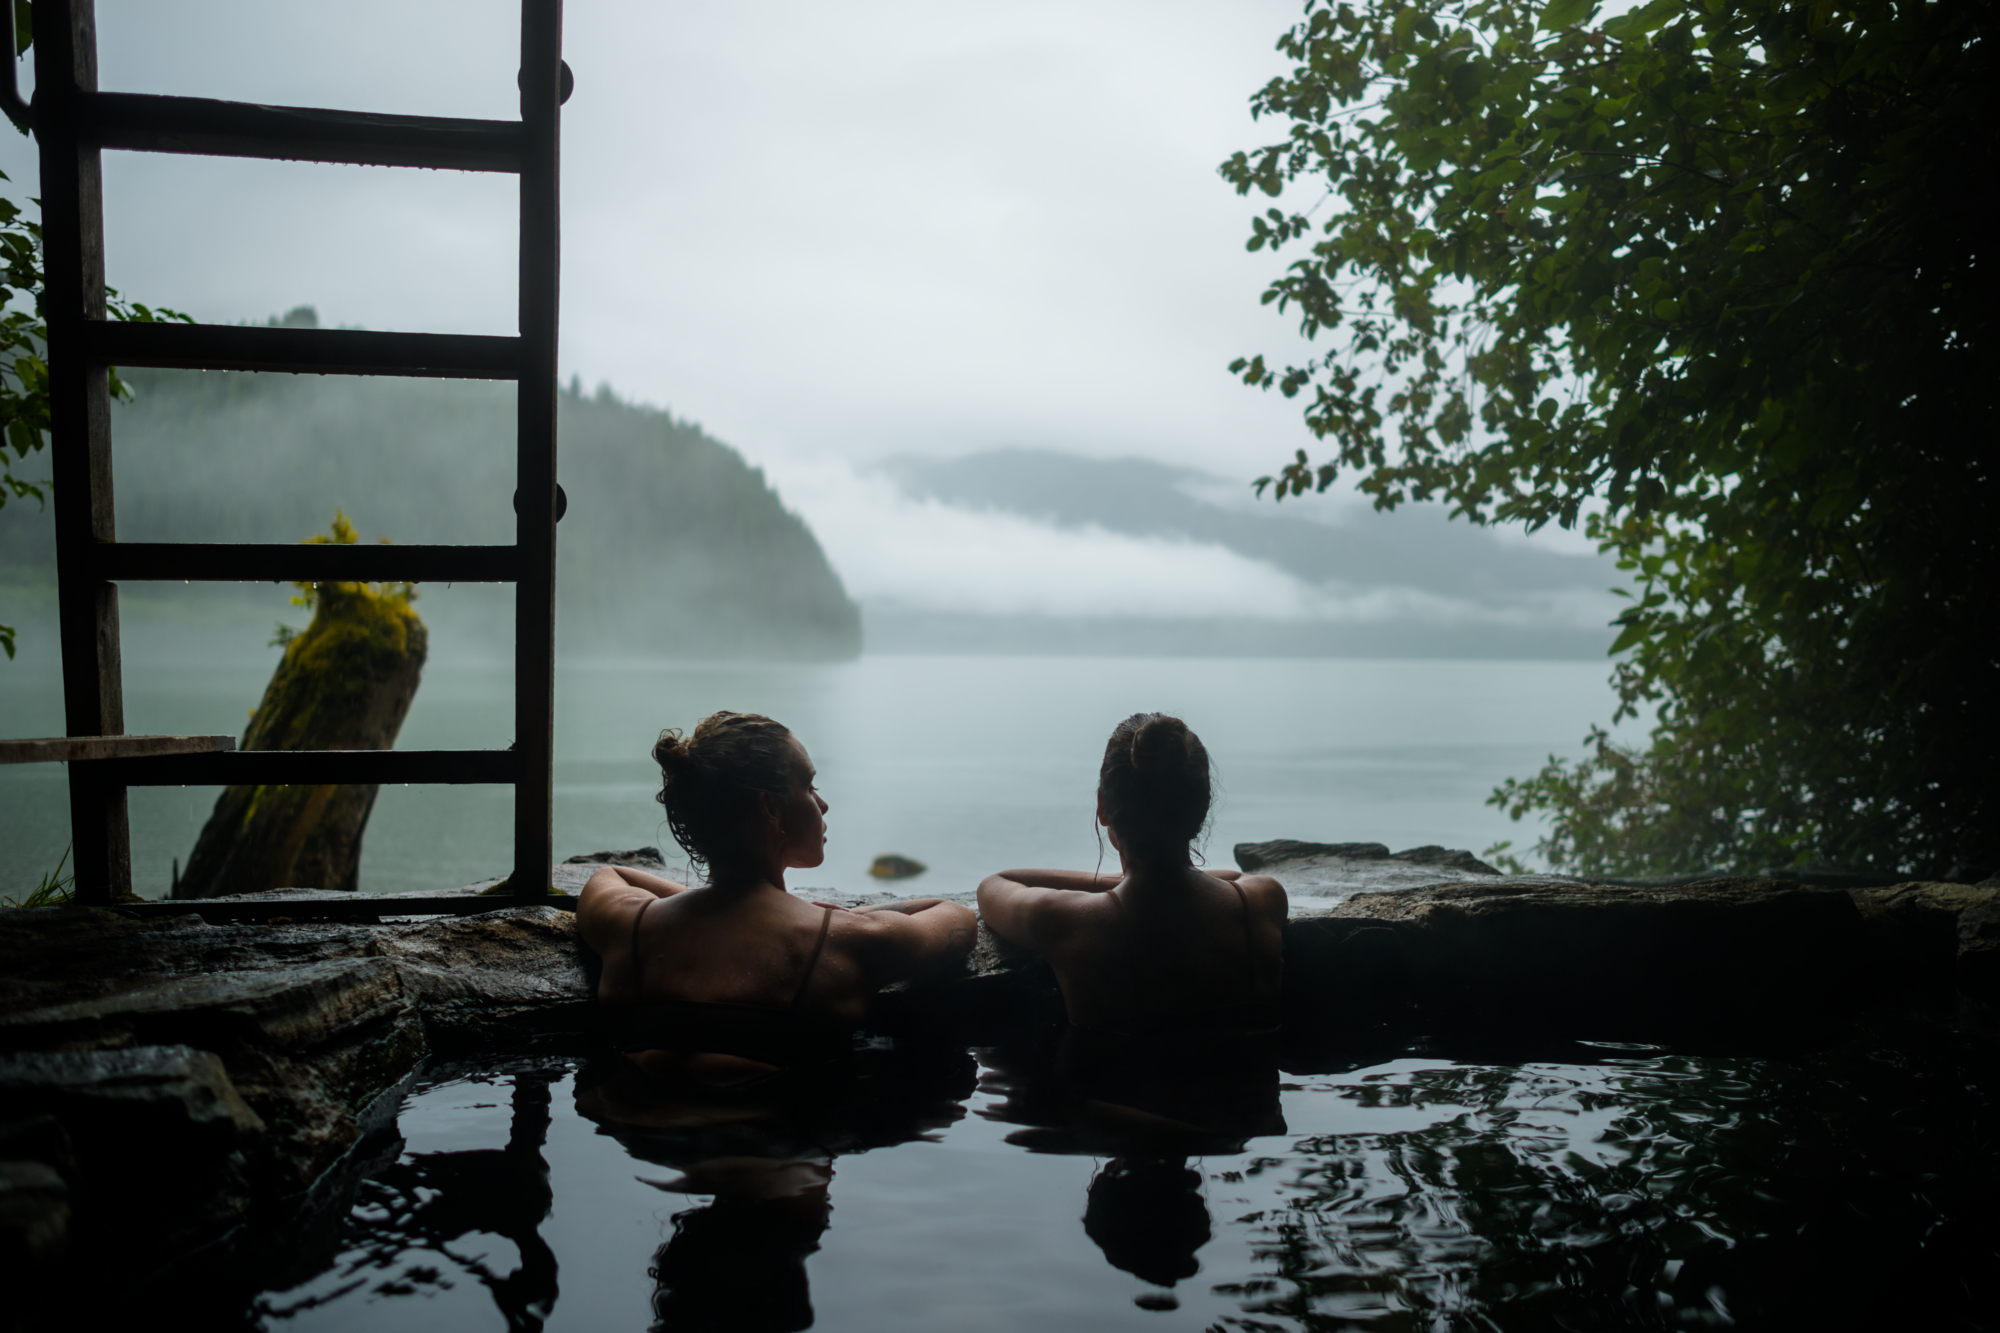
1262	895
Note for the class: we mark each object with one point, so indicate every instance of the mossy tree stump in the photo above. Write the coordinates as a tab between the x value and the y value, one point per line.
345	683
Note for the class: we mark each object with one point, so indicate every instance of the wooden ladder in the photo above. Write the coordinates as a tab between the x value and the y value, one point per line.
74	123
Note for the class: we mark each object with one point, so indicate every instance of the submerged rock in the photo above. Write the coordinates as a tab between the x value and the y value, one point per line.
891	866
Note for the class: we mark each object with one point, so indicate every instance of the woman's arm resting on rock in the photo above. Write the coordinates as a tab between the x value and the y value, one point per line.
1075	881
639	879
900	944
609	901
1028	906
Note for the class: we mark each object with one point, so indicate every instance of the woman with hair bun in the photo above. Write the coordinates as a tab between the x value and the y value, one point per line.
732	979
1164	947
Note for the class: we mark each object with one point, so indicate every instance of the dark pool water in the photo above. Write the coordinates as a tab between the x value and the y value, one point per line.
1568	1186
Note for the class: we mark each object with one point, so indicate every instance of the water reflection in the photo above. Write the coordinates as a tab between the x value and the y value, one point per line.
425	1220
1149	1103
740	1262
1564	1187
1109	1095
1149	1218
1846	1189
765	1154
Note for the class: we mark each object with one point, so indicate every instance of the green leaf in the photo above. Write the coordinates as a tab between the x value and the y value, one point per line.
1560	14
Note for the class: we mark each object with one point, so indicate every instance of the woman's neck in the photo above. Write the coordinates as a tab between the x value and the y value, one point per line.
746	879
1168	866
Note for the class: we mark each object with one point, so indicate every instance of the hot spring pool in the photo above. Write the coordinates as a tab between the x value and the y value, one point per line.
1571	1186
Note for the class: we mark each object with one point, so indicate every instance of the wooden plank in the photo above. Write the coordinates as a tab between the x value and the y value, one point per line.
304	351
202	125
303	562
80	436
361	907
535	452
76	749
315	767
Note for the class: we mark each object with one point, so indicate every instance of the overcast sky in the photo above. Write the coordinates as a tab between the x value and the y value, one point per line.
827	232
866	227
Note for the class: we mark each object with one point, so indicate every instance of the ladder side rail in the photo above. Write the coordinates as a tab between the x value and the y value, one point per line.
80	437
536	496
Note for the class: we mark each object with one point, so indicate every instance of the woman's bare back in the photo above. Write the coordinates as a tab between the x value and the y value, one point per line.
1185	948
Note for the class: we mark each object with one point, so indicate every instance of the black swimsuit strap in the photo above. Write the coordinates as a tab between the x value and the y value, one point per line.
638	960
798	997
1249	953
825	924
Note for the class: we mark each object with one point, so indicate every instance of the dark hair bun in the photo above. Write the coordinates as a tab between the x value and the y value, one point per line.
709	782
1161	744
1156	784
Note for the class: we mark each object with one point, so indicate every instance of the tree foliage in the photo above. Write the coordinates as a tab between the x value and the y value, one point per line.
1706	280
24	375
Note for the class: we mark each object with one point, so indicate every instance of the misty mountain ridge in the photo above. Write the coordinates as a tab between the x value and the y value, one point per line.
672	545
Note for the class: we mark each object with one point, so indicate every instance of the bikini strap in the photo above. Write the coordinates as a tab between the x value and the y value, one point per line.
638	960
825	924
1249	952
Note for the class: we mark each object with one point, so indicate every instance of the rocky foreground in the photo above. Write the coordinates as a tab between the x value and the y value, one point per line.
173	1086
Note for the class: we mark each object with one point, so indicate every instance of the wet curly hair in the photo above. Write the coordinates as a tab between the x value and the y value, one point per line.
709	782
1156	784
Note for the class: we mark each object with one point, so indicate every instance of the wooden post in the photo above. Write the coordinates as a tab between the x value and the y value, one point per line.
535	477
80	437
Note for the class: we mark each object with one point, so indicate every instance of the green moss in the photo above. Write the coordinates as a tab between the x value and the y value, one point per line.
344	683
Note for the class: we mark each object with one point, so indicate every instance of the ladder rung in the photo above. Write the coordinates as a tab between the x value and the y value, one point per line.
77	749
301	562
154	124
350	907
311	767
462	356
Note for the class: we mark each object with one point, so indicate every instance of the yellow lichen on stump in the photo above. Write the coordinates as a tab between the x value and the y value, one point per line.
345	683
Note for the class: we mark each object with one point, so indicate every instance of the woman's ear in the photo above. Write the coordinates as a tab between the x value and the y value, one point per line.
768	813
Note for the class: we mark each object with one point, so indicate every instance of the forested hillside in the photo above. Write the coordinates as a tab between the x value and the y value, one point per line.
671	545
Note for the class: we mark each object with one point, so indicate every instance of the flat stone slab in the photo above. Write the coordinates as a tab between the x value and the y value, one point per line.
1621	961
166	1083
291	1008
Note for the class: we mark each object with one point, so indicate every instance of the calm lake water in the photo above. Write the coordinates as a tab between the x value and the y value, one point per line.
969	764
1575	1187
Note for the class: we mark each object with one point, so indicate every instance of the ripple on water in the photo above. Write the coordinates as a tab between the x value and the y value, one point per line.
1604	1187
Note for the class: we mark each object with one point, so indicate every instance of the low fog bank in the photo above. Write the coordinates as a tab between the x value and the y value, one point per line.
901	631
1025	551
